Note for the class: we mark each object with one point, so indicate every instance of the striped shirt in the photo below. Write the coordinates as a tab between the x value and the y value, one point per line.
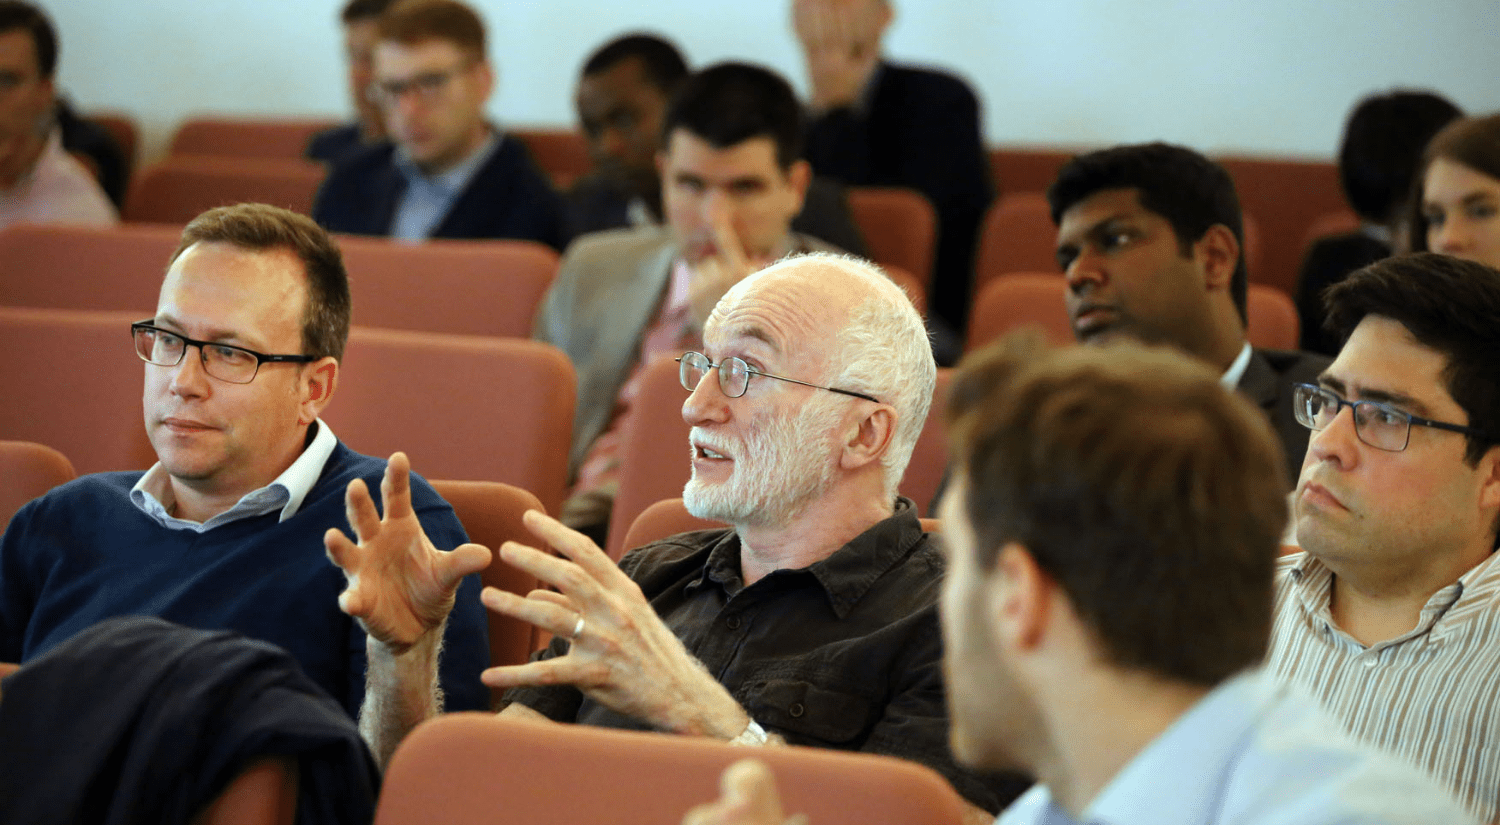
1430	696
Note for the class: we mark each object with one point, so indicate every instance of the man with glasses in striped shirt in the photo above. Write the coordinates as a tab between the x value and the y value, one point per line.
1390	614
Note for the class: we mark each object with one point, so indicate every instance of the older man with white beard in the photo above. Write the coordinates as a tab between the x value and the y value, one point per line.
812	621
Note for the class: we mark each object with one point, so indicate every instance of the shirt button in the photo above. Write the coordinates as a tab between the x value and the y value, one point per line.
1372	659
796	710
733	622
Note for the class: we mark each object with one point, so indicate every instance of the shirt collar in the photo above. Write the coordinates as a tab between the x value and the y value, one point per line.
844	576
1312	582
1193	751
452	180
1236	371
152	494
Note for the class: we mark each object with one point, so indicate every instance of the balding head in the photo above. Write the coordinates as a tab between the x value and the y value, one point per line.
857	329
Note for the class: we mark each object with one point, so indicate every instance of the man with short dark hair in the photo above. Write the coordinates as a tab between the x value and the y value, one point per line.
39	181
360	19
446	172
1378	159
1110	538
621	99
1150	239
812	622
732	180
241	358
1389	615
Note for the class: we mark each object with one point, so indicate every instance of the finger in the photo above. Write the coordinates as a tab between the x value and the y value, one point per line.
575	546
359	509
555	619
560	670
395	487
451	567
749	784
341	551
555	597
731	249
569	578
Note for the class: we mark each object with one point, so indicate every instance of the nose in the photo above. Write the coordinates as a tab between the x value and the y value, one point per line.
1338	442
1450	238
707	403
1087	268
188	378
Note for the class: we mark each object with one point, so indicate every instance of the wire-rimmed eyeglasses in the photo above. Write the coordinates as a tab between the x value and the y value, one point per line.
734	376
1379	425
225	362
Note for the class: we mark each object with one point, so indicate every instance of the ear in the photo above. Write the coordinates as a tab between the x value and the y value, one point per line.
319	379
486	75
1219	254
870	438
1019	596
799	175
1489	484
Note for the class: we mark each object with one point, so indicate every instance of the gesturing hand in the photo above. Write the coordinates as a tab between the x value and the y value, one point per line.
841	44
400	586
622	655
747	796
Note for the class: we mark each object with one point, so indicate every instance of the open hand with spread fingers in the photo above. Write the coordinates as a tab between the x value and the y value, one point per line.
747	796
400	587
620	654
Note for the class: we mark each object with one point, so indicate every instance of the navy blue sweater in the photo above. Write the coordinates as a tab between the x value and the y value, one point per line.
83	553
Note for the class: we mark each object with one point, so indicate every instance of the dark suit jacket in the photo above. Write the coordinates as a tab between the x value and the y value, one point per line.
919	129
594	205
1329	261
334	144
1268	381
507	198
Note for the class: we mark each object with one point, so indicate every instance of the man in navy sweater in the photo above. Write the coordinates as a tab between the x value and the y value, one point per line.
225	530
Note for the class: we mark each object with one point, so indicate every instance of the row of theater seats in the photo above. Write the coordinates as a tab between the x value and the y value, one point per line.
1287	202
438	365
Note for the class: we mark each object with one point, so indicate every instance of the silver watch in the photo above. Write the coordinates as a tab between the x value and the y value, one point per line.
753	735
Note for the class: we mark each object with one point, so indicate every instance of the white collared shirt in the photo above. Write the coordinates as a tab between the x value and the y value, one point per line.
1231	377
153	493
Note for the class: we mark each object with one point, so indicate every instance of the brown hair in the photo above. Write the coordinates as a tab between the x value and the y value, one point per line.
412	21
257	226
1471	141
1151	494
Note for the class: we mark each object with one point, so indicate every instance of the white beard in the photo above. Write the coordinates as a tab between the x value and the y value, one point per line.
783	465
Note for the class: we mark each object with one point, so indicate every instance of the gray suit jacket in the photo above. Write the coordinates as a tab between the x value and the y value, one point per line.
608	288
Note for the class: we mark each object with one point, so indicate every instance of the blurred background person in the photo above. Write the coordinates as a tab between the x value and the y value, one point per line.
1378	158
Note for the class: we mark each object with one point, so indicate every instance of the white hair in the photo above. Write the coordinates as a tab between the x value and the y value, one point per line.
882	350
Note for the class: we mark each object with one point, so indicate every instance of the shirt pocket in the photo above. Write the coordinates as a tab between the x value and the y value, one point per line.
802	711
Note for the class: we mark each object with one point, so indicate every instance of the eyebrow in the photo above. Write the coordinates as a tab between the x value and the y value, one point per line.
1391	397
217	336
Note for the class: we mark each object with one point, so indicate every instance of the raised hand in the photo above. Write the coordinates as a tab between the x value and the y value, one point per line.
715	274
747	796
841	45
621	654
400	587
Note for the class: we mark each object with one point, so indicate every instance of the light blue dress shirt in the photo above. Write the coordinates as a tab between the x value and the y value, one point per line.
428	198
1254	752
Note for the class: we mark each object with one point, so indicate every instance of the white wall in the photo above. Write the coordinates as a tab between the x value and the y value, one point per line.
1260	76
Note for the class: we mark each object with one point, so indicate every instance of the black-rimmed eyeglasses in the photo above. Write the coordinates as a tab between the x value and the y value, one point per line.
225	362
734	376
1379	425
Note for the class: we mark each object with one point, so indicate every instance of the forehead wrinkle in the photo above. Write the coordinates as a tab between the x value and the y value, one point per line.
771	316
